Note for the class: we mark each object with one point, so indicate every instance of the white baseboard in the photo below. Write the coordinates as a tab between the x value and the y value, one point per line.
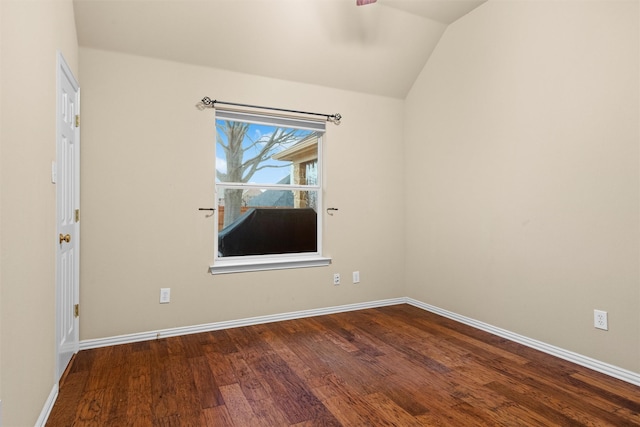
48	406
165	333
578	359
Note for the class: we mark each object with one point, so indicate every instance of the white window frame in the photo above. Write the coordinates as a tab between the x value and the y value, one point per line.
238	264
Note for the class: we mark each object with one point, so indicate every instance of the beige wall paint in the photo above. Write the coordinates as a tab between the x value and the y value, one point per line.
148	165
522	154
32	32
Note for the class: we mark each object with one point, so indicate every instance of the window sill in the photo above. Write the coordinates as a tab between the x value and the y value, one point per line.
242	266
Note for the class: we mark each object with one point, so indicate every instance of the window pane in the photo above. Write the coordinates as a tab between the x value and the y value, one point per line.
263	154
268	185
264	222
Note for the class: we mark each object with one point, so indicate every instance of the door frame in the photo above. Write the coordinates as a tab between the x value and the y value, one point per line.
63	71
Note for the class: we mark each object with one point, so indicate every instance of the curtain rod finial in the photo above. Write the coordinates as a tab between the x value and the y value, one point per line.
208	102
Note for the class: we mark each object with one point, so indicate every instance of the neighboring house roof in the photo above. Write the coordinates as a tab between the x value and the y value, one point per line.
274	198
304	151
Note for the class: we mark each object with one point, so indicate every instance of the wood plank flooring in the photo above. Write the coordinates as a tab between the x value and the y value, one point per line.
389	366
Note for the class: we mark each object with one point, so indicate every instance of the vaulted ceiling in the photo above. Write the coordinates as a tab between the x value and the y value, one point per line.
378	48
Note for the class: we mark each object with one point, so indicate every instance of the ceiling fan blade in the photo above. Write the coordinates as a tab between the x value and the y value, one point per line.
363	2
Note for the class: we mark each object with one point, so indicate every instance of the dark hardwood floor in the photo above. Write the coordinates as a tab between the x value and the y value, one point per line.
389	366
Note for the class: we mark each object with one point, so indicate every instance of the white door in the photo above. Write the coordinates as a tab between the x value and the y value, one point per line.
66	176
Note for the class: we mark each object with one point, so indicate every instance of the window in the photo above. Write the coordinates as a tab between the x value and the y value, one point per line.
268	192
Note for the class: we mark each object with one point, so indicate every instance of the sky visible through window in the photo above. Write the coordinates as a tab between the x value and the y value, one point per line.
254	141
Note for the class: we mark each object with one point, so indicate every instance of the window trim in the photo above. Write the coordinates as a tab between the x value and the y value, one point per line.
248	263
315	125
264	263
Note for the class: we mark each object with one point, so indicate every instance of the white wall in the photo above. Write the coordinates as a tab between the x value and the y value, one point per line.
31	33
148	165
523	177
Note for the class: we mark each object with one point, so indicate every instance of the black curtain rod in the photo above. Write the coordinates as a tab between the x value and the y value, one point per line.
333	118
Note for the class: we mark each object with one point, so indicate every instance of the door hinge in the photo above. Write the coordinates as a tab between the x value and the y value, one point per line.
77	120
76	310
77	215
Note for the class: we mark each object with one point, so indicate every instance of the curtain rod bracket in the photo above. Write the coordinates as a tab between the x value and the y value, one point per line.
333	118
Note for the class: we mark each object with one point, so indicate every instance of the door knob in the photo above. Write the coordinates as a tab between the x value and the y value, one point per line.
65	238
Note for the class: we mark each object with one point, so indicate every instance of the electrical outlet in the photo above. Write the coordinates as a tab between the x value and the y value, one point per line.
336	279
356	277
165	295
600	320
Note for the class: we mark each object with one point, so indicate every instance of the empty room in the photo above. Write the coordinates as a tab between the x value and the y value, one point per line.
319	212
